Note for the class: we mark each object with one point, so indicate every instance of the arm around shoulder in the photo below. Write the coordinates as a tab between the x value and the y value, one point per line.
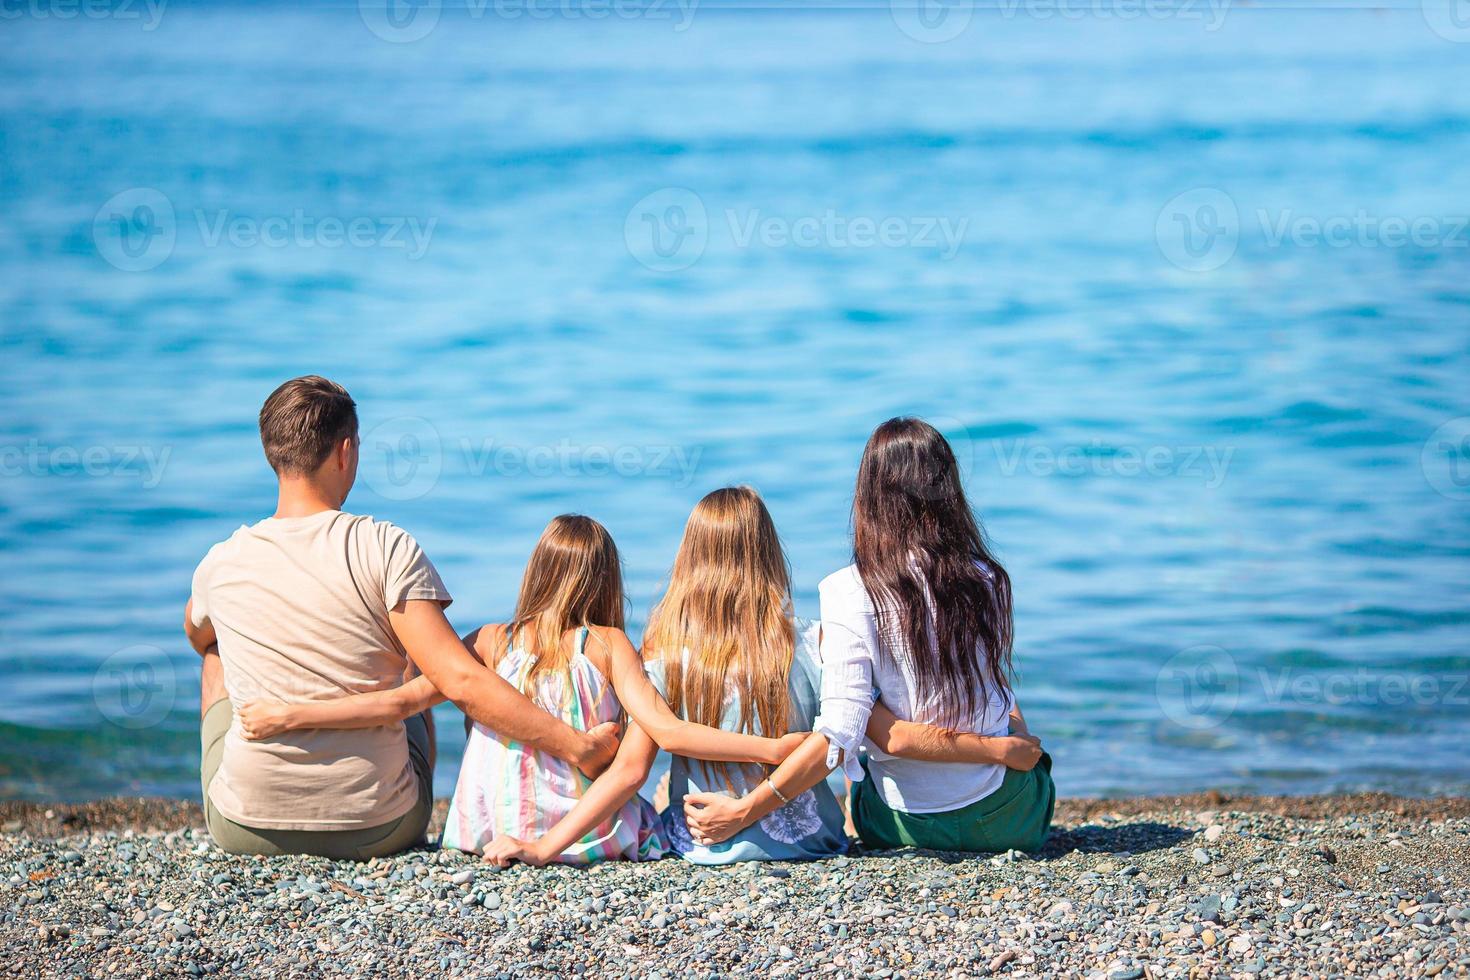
486	696
931	743
673	734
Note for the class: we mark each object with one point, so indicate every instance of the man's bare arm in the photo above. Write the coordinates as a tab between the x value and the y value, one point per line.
487	697
201	638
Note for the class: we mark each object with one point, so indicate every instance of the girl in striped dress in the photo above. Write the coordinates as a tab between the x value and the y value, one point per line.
508	788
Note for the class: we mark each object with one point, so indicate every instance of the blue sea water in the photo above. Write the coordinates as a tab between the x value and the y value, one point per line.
1191	298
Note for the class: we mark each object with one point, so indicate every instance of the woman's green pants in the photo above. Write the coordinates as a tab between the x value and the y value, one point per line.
1017	815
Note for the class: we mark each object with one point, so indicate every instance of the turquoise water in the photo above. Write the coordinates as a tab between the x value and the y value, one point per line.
609	266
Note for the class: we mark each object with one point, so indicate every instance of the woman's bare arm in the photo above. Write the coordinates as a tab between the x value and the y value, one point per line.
715	817
930	743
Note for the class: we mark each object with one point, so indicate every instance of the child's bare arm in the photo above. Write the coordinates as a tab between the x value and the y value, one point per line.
262	719
930	743
672	733
615	787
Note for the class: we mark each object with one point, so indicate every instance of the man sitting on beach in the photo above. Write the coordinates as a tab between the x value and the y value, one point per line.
313	603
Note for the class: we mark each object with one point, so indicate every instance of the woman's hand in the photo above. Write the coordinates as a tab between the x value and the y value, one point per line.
261	719
715	817
503	850
1020	751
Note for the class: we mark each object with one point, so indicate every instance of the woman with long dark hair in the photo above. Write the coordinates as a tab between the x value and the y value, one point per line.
921	620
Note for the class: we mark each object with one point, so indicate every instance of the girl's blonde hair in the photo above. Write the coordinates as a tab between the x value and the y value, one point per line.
729	605
573	580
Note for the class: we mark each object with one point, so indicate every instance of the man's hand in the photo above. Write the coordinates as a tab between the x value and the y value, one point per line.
715	817
1020	752
503	850
261	719
601	746
484	695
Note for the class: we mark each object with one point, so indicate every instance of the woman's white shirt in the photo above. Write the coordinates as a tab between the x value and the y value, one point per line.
855	673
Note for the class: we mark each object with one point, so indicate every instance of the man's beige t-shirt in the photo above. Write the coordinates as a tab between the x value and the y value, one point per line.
300	606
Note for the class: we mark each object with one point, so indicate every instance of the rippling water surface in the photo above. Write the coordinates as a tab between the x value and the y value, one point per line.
608	267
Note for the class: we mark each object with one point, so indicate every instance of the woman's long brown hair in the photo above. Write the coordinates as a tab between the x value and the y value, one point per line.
937	591
574	579
729	605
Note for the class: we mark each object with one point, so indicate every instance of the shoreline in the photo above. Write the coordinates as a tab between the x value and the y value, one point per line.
1206	884
160	814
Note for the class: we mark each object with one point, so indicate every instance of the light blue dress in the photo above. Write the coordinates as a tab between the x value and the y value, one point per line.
810	826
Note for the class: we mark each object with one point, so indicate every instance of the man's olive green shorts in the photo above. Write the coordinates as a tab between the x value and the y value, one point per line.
349	845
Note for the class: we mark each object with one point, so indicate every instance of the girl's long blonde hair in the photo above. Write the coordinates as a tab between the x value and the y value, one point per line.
573	580
729	605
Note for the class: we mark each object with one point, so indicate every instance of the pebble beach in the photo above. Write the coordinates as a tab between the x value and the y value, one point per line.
1163	887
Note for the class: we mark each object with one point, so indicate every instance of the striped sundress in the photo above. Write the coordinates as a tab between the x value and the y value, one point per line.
507	788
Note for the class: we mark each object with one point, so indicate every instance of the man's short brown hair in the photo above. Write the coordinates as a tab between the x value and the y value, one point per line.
303	421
